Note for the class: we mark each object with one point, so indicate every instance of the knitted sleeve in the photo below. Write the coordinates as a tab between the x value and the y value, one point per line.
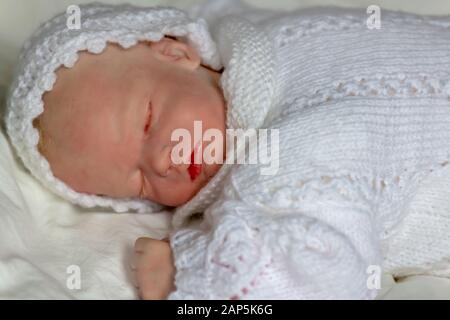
321	250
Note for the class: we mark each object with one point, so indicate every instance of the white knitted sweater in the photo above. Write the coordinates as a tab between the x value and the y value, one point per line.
364	124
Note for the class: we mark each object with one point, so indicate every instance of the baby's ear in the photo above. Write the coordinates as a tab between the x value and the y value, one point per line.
168	49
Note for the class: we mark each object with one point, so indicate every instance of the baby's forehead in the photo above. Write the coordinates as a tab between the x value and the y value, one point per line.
89	95
75	92
93	76
98	72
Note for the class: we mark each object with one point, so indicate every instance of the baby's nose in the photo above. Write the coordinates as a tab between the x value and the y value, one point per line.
161	160
165	165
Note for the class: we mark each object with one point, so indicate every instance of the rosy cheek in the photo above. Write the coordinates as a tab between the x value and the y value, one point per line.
75	139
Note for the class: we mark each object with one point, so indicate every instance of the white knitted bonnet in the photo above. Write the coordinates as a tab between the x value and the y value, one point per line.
54	44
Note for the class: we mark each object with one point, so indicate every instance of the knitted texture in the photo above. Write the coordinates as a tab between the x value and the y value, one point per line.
54	45
364	123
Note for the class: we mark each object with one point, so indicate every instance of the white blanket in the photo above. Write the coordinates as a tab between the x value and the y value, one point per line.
45	242
52	249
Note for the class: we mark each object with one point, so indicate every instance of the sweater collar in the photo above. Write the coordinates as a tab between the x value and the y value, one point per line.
250	91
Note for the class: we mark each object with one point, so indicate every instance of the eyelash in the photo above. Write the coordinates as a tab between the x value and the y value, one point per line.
149	118
146	128
141	192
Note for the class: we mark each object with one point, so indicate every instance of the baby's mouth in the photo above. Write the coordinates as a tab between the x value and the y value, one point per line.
194	169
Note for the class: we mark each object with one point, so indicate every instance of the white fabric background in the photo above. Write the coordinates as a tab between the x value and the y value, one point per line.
42	235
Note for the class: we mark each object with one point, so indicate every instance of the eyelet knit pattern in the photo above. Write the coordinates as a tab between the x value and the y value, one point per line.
363	117
54	45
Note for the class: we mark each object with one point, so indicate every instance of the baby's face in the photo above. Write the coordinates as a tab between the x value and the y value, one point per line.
110	119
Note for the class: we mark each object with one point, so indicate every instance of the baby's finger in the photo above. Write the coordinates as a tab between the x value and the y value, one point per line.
132	263
146	286
134	279
141	243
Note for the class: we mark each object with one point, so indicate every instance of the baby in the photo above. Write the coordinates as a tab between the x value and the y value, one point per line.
362	117
113	135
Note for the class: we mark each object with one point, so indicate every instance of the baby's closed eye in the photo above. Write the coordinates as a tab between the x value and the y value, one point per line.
148	118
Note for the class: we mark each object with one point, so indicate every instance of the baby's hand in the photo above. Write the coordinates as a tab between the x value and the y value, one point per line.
154	268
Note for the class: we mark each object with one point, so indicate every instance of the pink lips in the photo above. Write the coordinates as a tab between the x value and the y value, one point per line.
194	169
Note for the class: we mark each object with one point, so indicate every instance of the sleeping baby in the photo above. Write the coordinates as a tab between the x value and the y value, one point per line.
150	109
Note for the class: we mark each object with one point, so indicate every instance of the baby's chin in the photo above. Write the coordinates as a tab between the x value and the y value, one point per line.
177	200
183	196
